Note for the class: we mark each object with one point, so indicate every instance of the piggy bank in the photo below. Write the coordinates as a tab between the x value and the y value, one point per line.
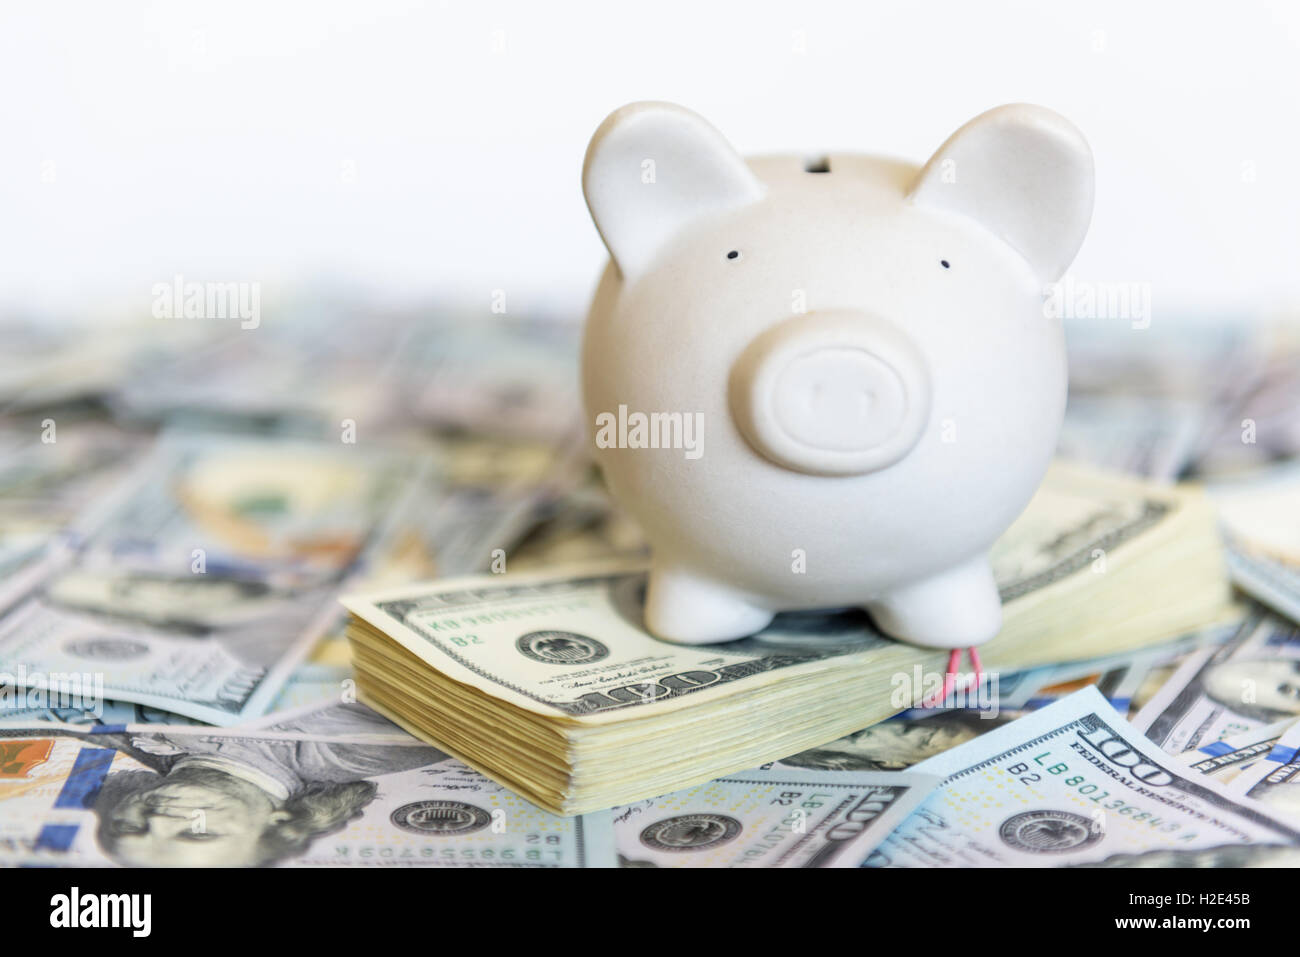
828	382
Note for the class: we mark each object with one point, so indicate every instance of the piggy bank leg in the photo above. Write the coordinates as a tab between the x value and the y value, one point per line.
683	607
958	608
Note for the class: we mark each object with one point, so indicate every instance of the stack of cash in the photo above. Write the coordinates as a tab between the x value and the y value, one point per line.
550	684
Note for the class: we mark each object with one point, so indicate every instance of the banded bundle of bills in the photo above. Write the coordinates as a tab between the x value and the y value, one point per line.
550	684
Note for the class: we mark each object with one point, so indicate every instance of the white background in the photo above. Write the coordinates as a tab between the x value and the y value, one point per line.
435	149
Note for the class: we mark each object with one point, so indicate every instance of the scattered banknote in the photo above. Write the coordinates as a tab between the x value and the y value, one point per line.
1260	428
491	494
309	684
30	707
210	578
994	693
1224	760
1274	780
583	526
56	475
899	743
1118	677
1250	682
1117	684
493	374
54	365
769	817
334	718
1075	784
1151	397
302	368
189	797
1151	684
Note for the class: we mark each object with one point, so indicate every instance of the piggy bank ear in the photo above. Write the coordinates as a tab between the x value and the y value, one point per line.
1022	172
652	170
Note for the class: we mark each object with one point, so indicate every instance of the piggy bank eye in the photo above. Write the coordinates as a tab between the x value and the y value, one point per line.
734	254
943	263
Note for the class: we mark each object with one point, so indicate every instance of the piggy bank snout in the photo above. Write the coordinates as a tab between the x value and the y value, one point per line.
836	393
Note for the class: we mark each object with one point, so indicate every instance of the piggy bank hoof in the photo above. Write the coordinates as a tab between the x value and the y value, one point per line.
683	608
831	393
959	608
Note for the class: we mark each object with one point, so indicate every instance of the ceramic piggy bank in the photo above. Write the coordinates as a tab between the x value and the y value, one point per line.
828	382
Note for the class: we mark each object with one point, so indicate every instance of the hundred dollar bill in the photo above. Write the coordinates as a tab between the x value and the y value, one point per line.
769	817
492	493
1261	429
27	711
1114	678
305	370
49	364
582	526
1149	397
1224	760
1074	784
1274	780
1117	685
310	684
1119	677
187	797
1155	679
348	719
994	693
497	376
314	684
452	816
901	742
55	476
212	576
1250	682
